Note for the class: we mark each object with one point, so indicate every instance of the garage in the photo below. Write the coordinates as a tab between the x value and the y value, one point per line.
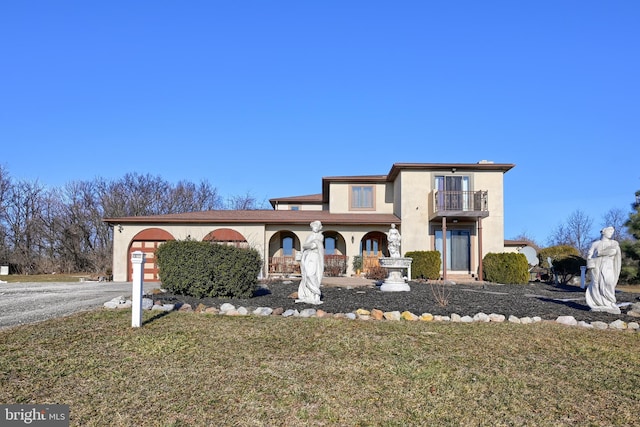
147	241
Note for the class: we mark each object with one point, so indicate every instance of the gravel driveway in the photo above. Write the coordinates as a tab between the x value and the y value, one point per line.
22	303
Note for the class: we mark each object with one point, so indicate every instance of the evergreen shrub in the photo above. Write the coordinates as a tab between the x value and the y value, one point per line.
557	252
565	261
568	267
506	268
204	269
425	264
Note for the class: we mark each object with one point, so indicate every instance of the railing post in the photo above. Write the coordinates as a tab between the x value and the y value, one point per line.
444	248
480	266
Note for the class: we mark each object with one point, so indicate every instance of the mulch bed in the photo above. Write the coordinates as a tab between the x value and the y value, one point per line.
534	299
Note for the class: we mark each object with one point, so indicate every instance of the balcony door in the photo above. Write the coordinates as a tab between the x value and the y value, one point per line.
458	249
453	192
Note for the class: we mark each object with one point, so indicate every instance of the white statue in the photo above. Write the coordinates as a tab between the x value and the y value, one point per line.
312	266
393	241
603	263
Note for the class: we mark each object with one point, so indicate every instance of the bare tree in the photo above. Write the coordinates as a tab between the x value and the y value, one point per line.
527	238
576	232
617	218
62	229
188	197
23	219
245	202
5	186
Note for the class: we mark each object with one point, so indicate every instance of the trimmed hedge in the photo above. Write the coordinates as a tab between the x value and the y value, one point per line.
204	269
556	253
425	264
506	268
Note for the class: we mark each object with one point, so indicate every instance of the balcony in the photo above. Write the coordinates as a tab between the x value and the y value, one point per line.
474	204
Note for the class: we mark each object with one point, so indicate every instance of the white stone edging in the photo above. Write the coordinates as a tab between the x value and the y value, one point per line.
228	309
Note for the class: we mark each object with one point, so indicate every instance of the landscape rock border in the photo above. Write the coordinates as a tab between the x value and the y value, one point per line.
228	309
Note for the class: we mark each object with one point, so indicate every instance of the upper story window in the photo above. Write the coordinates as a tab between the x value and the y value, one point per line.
362	197
453	193
294	208
452	183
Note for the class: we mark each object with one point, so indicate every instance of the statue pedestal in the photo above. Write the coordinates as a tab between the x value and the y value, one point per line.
395	282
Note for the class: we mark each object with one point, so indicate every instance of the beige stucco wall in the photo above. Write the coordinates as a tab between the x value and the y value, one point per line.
339	198
121	240
408	197
493	225
258	236
303	231
302	207
414	209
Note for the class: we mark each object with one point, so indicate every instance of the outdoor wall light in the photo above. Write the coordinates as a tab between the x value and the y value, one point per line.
352	239
119	228
453	170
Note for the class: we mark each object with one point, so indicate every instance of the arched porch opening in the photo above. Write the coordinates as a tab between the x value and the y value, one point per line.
283	247
335	254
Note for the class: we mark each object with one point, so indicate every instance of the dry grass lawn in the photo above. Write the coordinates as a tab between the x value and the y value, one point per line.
185	369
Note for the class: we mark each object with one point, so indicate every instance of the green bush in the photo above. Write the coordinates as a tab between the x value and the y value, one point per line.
565	261
568	267
555	253
425	264
357	263
204	269
507	268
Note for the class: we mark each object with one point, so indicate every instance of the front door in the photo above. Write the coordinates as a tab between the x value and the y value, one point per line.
458	249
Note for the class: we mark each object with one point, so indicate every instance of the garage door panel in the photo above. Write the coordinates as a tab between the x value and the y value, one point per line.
150	269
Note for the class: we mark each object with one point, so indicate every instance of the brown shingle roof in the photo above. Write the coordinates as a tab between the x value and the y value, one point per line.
259	216
480	166
310	198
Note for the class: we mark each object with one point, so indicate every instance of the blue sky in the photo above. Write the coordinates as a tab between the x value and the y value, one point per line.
267	97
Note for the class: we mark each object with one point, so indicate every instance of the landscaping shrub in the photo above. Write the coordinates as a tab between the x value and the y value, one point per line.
335	265
377	273
565	261
506	268
569	267
425	264
204	269
357	263
555	253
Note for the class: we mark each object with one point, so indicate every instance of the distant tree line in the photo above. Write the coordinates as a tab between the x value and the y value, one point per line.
577	232
47	230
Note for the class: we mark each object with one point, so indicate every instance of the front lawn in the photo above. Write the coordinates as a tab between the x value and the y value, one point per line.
196	369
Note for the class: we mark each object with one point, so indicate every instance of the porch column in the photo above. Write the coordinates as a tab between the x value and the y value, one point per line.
480	272
444	248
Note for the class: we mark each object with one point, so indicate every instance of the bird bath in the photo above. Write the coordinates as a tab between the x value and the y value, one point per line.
395	281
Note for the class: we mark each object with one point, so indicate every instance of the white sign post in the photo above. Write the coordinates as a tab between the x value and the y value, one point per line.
137	261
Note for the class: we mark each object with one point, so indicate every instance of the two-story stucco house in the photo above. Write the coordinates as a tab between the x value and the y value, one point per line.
455	208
